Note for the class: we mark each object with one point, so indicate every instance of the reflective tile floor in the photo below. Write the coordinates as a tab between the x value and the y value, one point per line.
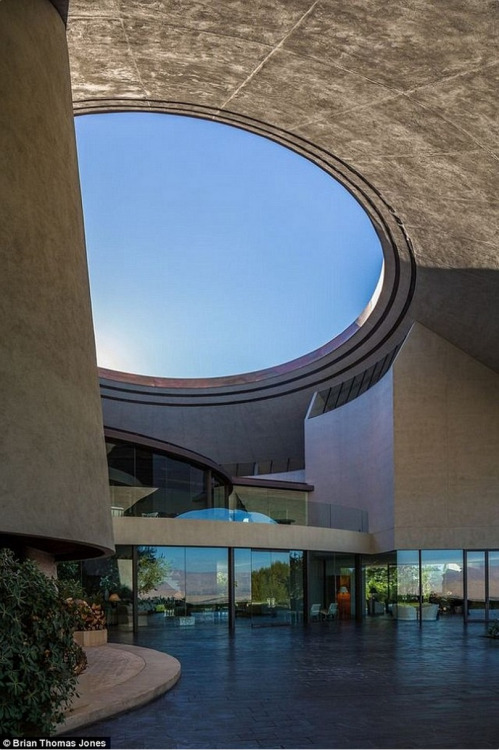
382	684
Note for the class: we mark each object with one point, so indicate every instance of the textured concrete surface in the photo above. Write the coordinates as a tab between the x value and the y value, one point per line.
403	92
52	450
117	679
446	447
349	454
186	532
383	684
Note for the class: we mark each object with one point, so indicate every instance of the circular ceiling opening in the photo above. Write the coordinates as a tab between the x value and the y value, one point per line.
214	251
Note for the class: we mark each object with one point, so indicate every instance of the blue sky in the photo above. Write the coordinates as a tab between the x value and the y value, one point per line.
213	251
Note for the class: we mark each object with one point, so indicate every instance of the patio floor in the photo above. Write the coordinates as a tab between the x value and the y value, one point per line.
382	684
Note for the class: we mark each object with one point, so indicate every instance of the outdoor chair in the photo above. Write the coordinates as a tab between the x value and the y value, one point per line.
331	612
315	612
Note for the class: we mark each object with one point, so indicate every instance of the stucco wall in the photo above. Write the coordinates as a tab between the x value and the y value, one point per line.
53	480
158	531
348	458
446	426
228	434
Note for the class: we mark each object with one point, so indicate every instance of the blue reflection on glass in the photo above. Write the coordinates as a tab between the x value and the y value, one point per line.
224	514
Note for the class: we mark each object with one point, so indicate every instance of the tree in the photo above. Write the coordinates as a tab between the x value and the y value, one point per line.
152	571
377	582
271	583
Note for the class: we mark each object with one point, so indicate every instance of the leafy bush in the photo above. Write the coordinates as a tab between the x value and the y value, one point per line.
493	629
70	588
39	659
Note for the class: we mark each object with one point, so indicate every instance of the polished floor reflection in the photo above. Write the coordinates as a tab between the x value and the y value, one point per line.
382	684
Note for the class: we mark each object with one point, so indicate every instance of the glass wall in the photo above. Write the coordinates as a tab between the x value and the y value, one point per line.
242	583
207	584
332	585
404	579
292	506
182	585
476	584
146	483
110	581
429	584
493	584
442	580
189	586
280	506
268	587
380	575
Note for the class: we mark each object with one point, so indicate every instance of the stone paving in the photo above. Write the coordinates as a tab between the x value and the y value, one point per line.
382	684
118	677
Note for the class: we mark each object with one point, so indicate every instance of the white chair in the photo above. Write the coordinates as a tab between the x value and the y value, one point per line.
331	612
315	612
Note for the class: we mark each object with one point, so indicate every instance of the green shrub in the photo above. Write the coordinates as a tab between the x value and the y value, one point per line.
70	588
39	659
493	629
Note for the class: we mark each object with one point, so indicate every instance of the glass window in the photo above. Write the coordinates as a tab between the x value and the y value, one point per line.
340	577
282	506
207	584
185	585
494	584
261	586
268	587
145	483
242	583
270	584
111	579
379	589
219	493
475	577
296	585
442	580
181	487
404	582
331	585
175	580
154	567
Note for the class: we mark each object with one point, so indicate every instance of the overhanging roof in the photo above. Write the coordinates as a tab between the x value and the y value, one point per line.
404	93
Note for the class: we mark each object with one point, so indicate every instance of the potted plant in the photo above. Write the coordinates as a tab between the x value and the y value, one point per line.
91	627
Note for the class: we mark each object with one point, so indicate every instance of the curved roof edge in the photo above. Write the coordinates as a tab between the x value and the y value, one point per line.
63	549
378	331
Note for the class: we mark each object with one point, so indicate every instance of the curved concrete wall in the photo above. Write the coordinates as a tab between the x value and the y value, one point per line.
53	490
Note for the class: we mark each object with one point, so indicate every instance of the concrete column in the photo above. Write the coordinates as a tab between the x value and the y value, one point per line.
53	473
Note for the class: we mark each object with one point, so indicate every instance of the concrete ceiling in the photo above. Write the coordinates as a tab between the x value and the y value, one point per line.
404	92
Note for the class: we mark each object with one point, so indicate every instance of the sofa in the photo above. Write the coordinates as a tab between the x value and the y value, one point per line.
429	611
411	611
405	612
